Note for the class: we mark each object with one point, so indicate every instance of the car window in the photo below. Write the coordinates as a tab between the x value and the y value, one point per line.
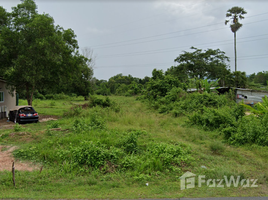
26	110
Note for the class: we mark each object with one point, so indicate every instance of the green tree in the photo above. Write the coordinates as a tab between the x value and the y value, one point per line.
200	64
117	80
261	77
81	82
160	84
234	14
237	79
36	54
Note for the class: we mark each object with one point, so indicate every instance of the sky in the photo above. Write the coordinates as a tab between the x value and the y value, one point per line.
135	36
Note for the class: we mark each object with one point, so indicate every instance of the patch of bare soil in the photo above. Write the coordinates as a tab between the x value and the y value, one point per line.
45	118
6	160
247	113
4	124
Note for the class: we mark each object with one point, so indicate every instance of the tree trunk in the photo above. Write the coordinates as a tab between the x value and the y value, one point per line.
29	95
235	51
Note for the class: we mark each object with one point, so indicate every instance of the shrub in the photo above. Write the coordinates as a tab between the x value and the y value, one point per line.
93	155
80	126
74	112
169	154
60	96
179	103
49	96
129	143
52	103
250	130
107	102
54	124
211	118
97	121
39	96
18	128
94	101
217	147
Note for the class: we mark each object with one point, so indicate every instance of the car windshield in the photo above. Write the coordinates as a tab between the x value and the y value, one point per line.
27	110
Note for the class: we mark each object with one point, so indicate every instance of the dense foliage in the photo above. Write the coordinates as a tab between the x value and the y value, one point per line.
37	55
90	146
120	85
206	108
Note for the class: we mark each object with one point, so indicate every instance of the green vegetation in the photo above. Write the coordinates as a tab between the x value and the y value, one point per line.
124	146
235	14
100	152
50	54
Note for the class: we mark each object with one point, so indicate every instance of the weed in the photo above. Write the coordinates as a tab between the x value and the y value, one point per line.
52	103
18	128
129	143
54	124
217	147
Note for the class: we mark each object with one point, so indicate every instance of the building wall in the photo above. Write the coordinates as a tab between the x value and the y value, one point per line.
253	96
9	100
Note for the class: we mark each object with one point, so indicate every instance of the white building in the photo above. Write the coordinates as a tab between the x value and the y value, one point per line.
7	100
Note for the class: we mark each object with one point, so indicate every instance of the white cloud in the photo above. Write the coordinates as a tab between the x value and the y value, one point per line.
192	11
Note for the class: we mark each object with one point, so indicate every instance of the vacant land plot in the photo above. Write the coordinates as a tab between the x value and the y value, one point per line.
122	149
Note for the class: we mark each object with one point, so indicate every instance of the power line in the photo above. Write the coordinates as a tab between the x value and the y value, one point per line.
173	36
101	45
178	48
155	35
135	65
157	23
248	57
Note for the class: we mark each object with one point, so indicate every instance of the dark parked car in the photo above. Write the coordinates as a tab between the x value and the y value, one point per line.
23	114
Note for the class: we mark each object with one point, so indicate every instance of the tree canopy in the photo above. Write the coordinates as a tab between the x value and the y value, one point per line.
233	15
200	64
37	55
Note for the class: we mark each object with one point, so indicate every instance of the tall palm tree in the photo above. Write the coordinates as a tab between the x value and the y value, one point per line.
234	14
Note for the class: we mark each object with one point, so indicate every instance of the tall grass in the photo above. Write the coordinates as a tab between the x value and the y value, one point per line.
103	153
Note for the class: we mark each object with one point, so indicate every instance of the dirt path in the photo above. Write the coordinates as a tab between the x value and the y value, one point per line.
6	159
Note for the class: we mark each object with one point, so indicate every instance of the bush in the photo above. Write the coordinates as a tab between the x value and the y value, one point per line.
18	128
169	154
249	130
57	96
49	96
52	103
236	128
54	124
129	143
211	118
97	121
106	103
39	96
217	147
90	154
80	126
94	101
74	112
60	96
179	103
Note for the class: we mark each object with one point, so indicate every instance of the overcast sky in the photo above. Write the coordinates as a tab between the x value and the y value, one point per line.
135	36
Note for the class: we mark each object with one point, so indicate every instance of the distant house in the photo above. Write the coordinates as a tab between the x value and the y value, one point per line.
249	96
7	101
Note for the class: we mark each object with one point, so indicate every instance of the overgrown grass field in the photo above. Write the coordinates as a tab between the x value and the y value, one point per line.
119	147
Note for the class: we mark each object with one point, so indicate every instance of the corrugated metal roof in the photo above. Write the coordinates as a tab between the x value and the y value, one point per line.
18	107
